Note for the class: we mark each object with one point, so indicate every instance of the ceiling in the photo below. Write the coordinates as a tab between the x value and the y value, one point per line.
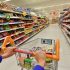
42	5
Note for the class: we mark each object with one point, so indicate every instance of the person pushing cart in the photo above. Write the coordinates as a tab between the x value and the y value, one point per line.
40	58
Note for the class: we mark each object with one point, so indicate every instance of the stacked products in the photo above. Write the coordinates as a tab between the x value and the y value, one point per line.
20	27
65	23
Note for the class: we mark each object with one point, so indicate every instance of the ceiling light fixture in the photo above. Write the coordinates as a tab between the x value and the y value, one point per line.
6	0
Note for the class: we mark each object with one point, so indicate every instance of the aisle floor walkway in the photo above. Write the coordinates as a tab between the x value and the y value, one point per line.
52	32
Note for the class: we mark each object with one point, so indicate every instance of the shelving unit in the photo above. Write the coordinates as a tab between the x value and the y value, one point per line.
65	24
20	27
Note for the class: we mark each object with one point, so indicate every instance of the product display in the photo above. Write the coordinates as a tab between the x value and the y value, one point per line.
19	28
65	24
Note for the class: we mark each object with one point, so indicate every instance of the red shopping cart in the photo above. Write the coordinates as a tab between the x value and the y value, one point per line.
29	62
24	54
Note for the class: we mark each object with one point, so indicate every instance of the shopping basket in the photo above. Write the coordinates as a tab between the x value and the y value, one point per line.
35	45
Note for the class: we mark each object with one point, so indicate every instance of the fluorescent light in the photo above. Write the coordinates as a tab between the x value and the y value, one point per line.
6	0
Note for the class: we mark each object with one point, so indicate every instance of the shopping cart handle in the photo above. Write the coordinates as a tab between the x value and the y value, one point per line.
52	56
26	52
48	55
22	51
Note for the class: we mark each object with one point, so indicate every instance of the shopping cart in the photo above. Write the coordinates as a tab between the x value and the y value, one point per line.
35	45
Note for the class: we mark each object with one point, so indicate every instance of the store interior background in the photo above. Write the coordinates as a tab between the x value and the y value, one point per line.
44	7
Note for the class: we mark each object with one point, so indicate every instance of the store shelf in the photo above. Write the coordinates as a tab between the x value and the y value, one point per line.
27	26
26	39
66	13
28	19
67	16
68	38
12	17
23	36
63	12
68	26
8	11
21	42
29	37
66	20
66	30
12	35
17	33
11	29
11	23
65	24
28	23
17	23
19	37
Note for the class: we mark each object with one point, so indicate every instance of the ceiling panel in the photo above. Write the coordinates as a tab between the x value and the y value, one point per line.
37	3
45	5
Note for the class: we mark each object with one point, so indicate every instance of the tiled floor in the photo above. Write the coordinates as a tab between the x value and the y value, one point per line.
52	32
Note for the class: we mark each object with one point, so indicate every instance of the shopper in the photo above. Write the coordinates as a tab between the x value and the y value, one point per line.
39	56
9	52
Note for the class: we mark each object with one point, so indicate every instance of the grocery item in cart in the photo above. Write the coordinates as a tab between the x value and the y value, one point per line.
27	62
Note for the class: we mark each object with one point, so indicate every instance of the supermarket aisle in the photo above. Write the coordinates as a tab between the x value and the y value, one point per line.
53	32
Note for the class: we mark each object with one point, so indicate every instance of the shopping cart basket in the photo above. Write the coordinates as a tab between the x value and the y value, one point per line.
35	45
